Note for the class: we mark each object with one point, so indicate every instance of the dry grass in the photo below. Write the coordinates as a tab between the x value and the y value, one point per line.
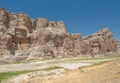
105	72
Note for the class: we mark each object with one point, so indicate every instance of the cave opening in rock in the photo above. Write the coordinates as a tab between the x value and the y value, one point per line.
20	43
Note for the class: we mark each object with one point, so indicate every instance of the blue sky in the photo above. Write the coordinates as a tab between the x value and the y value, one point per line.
79	16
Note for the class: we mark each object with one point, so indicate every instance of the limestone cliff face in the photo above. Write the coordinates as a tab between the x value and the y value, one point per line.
4	21
101	42
20	35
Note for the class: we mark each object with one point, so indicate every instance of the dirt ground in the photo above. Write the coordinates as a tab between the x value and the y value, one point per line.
105	72
101	72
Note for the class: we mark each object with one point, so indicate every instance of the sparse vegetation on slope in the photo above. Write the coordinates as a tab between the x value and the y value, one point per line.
8	75
105	72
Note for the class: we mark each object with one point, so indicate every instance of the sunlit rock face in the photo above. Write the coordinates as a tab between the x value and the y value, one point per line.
21	36
101	42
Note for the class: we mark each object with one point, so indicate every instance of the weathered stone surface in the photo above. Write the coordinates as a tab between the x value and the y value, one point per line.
43	38
41	23
4	21
101	42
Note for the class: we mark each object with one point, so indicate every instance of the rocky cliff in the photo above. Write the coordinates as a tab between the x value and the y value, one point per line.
24	38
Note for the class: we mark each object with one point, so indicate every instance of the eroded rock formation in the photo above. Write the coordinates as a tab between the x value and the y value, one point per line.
22	36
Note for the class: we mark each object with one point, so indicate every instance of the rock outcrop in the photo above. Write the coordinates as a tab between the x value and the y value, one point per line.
43	38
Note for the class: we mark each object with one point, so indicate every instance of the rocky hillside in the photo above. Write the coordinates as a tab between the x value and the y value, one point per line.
24	38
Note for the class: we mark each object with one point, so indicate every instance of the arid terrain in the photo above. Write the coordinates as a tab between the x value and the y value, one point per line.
24	38
62	70
43	51
106	72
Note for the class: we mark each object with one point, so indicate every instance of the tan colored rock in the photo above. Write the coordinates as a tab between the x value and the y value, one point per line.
61	26
41	23
44	38
101	42
4	20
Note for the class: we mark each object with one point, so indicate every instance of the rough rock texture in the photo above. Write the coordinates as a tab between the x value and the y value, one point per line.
118	46
44	38
100	42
